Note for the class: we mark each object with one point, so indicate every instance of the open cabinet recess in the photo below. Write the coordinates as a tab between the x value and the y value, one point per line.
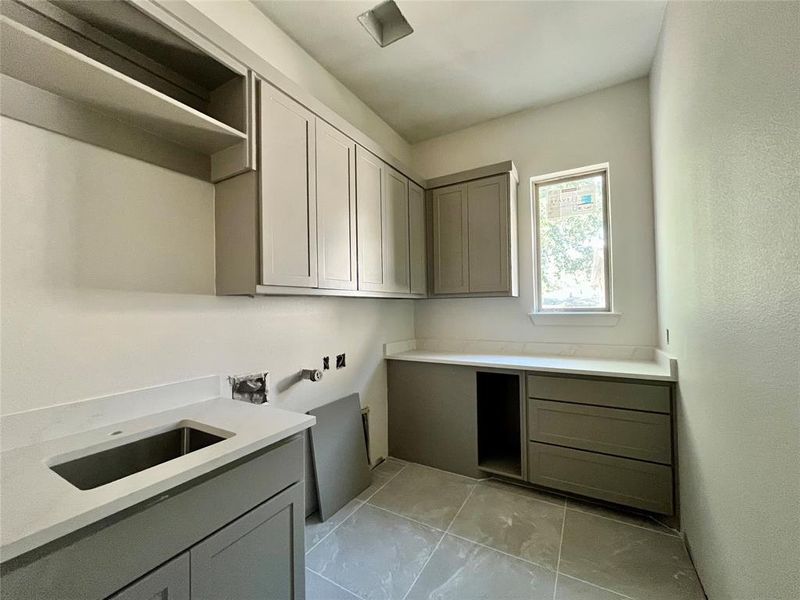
122	65
500	418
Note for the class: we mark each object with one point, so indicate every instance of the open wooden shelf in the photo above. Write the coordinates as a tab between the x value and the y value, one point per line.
31	57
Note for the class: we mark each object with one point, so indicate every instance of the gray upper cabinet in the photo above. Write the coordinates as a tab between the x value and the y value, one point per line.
369	199
473	232
416	238
395	232
288	191
336	209
487	218
383	226
450	240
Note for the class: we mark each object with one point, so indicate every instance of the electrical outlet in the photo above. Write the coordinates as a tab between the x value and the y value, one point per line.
341	361
326	363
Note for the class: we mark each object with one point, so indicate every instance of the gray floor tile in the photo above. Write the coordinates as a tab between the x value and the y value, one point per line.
430	496
461	570
568	588
632	517
316	530
630	560
374	554
318	588
380	475
553	498
520	525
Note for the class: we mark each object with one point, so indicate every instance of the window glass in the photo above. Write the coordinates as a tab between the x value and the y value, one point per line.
571	243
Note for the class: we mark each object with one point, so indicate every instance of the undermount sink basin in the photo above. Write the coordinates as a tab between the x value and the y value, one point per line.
103	467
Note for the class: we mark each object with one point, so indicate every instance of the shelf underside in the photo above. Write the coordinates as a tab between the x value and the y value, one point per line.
28	56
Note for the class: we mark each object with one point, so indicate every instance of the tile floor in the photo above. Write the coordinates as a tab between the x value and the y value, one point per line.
419	533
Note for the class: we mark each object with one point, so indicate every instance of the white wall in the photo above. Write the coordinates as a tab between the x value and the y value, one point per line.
612	125
726	139
108	282
257	31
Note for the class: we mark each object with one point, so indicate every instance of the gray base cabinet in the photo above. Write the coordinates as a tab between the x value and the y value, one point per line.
602	438
433	416
599	437
255	556
241	526
168	582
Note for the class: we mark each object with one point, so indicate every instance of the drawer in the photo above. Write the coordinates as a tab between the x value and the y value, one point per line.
622	480
627	433
616	394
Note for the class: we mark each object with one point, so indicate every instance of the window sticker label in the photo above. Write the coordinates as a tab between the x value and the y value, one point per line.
571	201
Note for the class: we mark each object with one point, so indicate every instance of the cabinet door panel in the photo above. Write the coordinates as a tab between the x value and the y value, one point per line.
336	209
395	232
450	240
369	216
416	238
260	555
488	207
168	582
288	202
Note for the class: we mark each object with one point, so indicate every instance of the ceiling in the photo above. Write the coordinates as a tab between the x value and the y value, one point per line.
468	62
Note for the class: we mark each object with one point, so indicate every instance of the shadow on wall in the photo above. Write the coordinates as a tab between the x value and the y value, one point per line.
103	221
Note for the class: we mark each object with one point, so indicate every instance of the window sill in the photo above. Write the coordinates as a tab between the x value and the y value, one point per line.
576	319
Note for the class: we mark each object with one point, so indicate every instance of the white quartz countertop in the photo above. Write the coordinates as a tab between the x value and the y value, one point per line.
663	369
38	506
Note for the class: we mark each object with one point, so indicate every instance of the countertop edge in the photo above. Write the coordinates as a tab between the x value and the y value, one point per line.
445	358
22	545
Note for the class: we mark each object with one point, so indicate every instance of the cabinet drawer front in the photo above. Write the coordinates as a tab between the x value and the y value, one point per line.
628	433
616	394
621	480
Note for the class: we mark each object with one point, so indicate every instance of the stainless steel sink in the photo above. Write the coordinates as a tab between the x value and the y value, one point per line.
103	467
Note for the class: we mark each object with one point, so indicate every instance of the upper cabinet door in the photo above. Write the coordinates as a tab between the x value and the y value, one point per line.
416	237
288	191
395	232
450	240
488	218
369	216
336	209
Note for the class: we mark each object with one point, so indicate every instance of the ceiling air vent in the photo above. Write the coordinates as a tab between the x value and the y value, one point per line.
385	23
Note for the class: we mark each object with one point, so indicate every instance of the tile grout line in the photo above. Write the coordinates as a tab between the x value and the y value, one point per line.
439	543
586	512
359	507
334	583
473	479
600	587
560	546
461	537
525	560
524	495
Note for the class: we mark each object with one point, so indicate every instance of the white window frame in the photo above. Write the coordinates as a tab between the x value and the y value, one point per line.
573	316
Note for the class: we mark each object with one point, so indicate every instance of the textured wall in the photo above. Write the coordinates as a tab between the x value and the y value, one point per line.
726	154
612	125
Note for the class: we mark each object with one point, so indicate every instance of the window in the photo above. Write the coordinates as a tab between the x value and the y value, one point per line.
572	241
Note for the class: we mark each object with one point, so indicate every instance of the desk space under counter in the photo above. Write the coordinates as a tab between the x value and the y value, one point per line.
607	436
